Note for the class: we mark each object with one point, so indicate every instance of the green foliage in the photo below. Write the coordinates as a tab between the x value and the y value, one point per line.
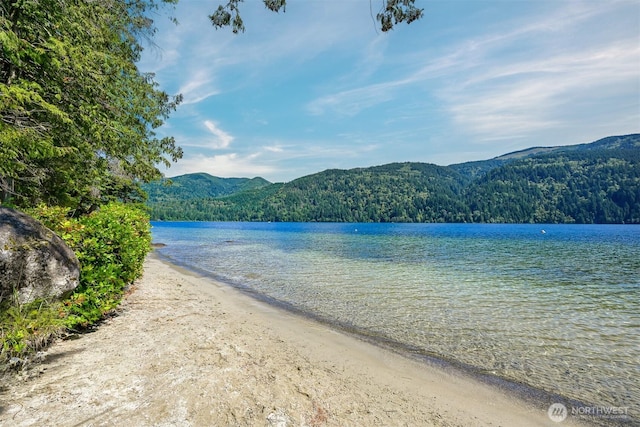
228	15
77	130
396	11
392	12
199	186
77	117
595	186
111	245
587	183
26	329
115	238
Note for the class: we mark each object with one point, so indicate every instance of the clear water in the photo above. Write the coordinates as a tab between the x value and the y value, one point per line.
559	310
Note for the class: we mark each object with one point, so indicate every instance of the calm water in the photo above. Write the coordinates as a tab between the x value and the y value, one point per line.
559	310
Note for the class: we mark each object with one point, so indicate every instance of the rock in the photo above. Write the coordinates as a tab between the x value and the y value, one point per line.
34	261
277	419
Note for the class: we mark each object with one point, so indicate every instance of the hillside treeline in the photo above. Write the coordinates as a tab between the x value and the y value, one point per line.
586	185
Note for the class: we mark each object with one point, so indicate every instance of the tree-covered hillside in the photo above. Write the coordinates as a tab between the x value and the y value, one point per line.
600	186
608	143
199	186
398	192
586	183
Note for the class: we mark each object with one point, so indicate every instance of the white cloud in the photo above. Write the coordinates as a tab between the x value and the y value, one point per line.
198	88
493	87
207	54
564	70
519	98
231	165
222	138
352	102
274	149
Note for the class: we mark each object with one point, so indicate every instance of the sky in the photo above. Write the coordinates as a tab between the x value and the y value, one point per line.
320	87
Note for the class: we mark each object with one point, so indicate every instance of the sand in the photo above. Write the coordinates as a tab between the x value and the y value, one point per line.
188	351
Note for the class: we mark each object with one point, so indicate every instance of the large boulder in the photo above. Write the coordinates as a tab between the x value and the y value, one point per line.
34	262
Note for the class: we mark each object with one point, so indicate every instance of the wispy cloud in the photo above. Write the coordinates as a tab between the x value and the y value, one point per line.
317	88
495	89
208	54
274	149
517	96
224	165
518	99
353	101
222	138
198	87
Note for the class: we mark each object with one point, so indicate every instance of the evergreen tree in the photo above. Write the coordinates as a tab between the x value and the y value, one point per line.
77	117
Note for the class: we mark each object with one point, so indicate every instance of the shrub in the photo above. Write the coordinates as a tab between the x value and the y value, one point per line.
26	329
111	245
114	242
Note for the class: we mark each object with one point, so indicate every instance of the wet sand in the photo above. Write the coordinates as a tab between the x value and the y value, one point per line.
189	351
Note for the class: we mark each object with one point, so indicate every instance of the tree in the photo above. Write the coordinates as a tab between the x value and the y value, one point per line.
77	117
392	12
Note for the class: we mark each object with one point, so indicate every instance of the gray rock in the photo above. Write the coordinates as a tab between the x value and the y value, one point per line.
277	419
34	261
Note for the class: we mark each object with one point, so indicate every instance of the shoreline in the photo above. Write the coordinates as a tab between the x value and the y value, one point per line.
532	396
189	350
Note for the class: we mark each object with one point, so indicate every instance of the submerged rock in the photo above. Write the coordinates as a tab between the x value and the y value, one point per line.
34	262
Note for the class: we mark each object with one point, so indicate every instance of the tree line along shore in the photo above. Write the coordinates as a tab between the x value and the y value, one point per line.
588	183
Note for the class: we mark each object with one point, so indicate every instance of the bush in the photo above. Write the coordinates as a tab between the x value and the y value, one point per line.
111	245
26	329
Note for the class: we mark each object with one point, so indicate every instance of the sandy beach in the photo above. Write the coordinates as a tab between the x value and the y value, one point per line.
188	351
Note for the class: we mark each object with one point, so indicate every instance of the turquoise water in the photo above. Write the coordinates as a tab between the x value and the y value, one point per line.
557	310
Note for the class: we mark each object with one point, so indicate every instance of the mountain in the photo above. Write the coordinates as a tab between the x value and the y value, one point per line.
586	183
565	186
610	143
400	192
198	186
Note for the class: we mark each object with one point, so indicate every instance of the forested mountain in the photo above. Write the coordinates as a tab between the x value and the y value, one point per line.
199	186
400	192
599	186
609	143
586	183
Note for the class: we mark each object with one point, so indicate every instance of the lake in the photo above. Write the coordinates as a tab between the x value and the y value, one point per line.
554	307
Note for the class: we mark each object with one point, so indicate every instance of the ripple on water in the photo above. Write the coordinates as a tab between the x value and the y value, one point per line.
559	312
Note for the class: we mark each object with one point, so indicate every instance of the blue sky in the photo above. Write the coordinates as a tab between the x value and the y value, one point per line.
319	88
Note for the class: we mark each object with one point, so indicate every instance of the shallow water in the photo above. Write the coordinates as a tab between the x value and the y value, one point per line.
559	310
